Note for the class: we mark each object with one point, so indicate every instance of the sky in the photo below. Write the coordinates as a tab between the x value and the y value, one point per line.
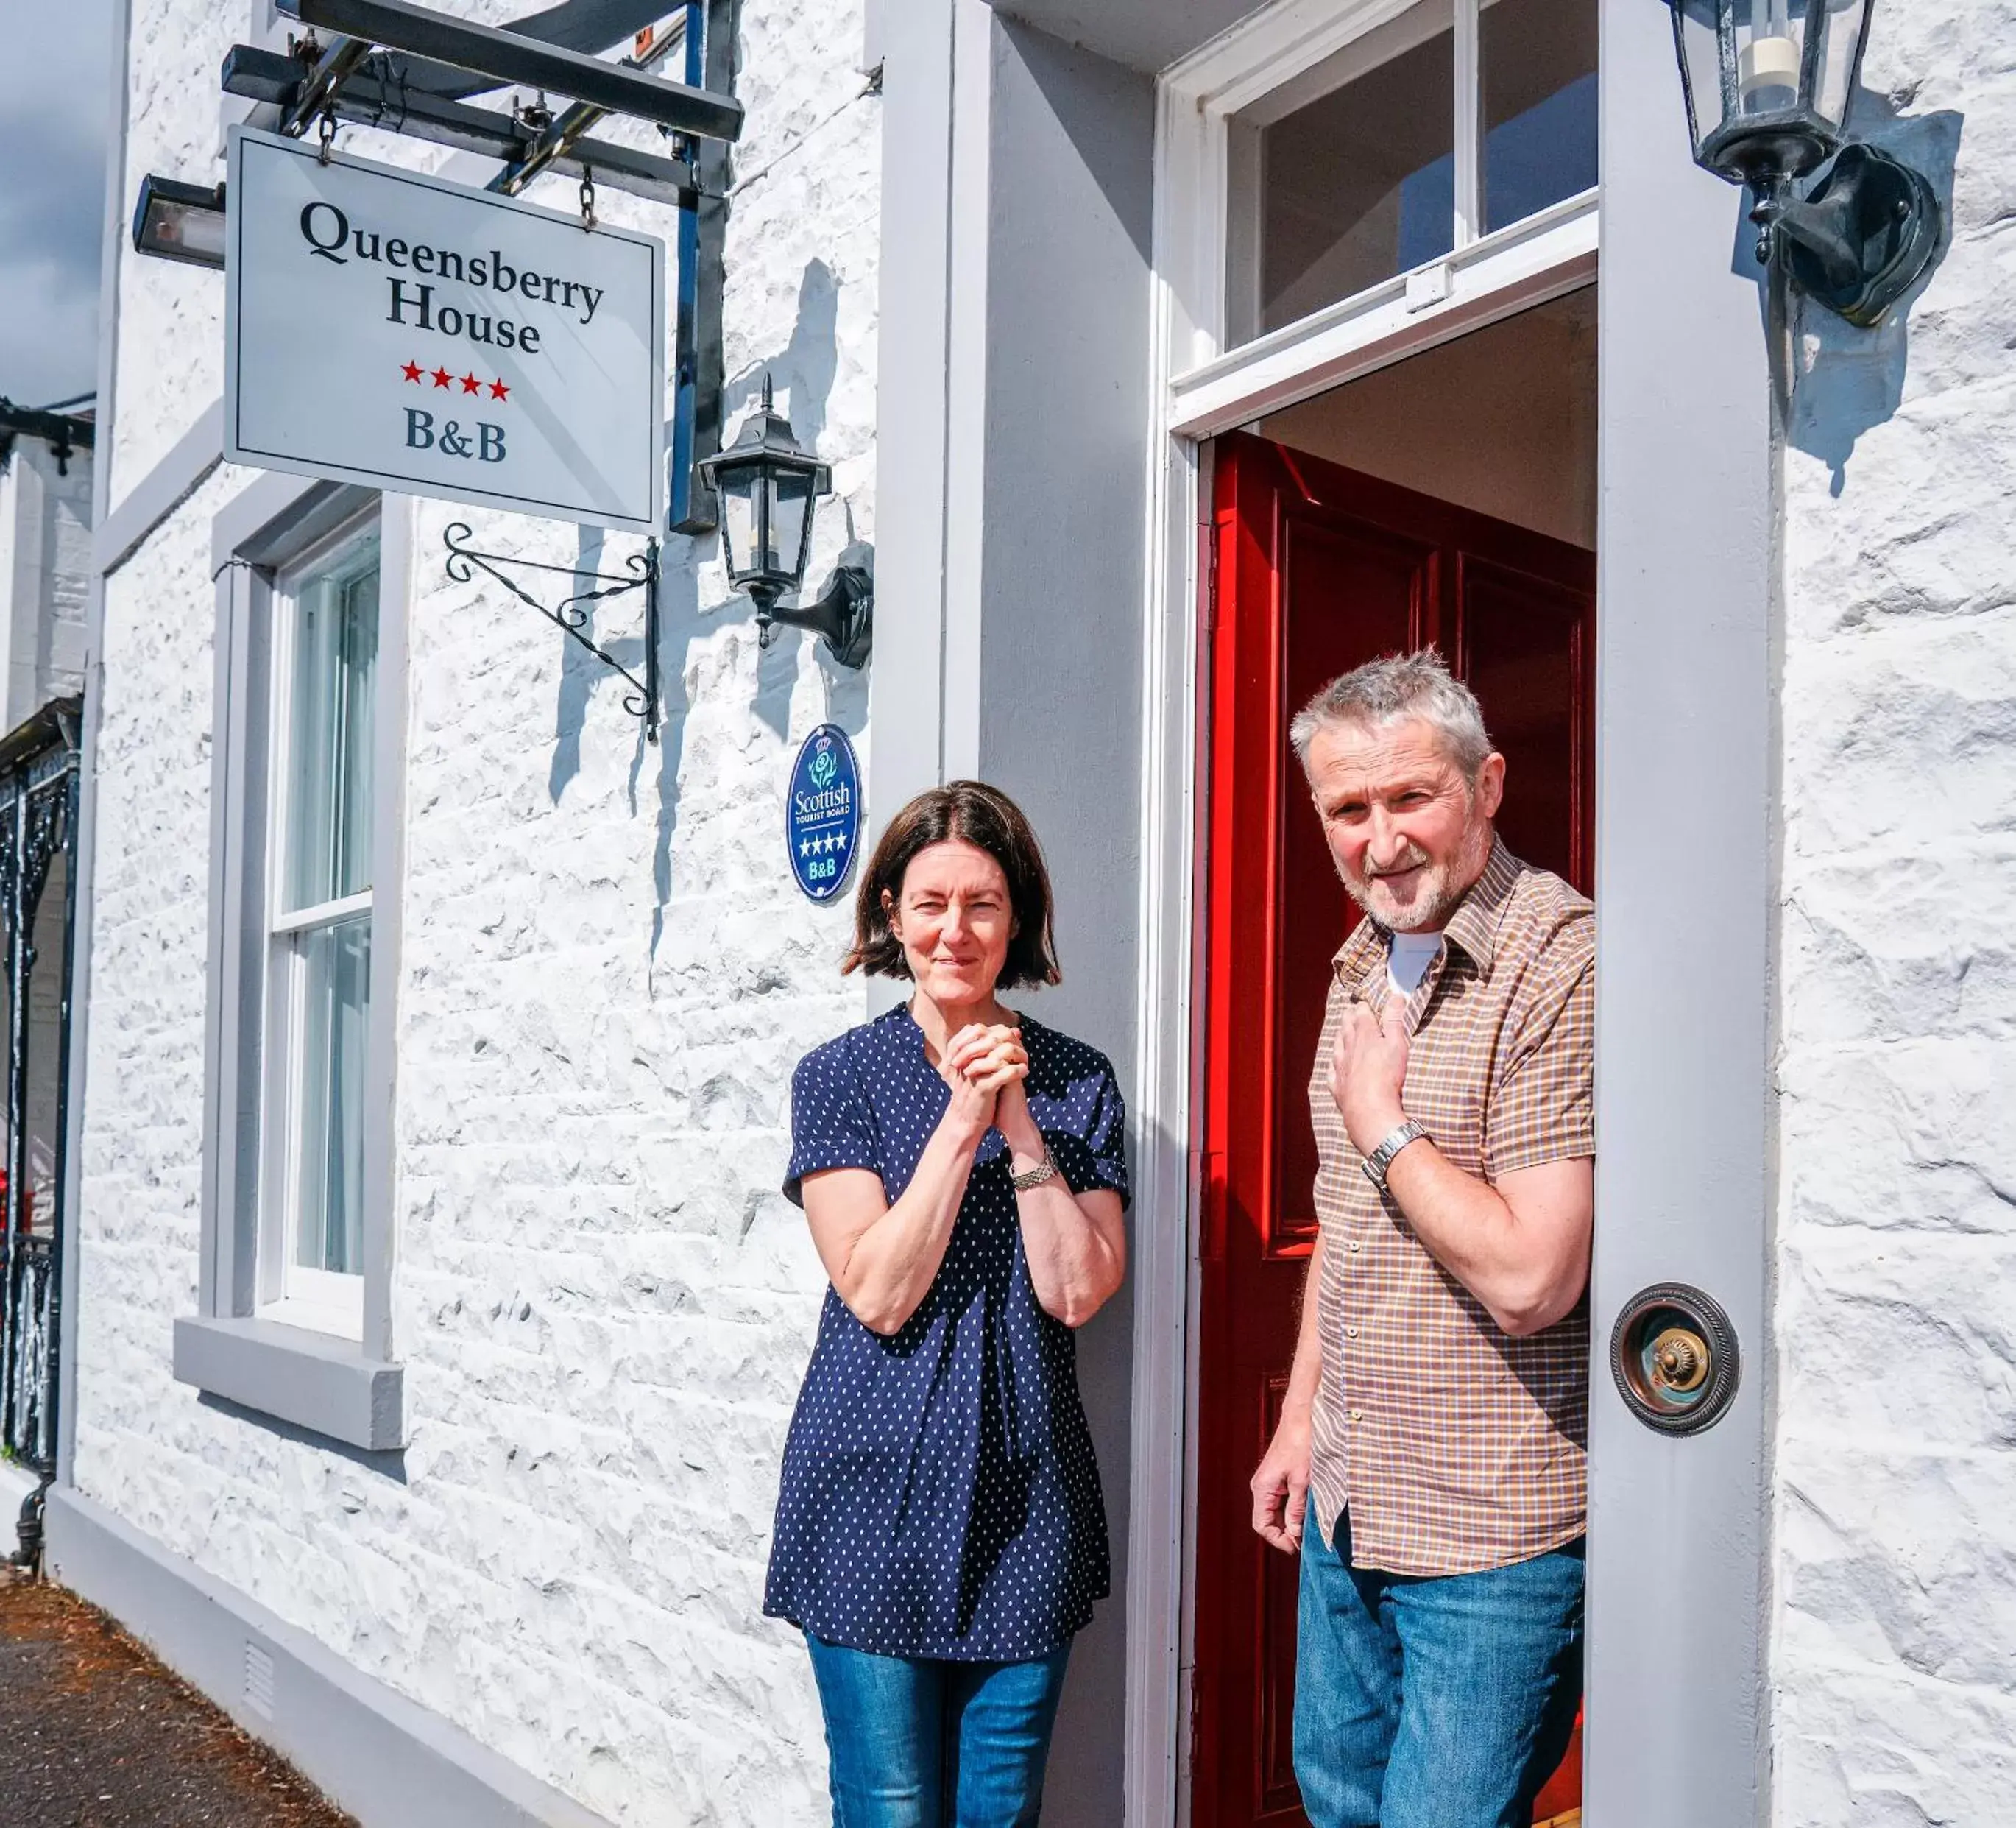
55	97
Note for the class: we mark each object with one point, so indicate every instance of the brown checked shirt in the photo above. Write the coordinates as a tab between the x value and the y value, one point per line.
1456	1447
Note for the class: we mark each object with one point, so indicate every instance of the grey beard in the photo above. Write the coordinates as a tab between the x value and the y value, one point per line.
1432	914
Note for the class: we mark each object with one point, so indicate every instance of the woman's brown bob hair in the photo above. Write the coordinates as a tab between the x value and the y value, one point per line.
986	818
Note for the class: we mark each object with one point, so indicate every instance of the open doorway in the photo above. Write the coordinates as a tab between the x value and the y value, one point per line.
1449	499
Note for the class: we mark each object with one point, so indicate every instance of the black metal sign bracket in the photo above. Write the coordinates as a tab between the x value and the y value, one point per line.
508	57
379	94
570	614
403	68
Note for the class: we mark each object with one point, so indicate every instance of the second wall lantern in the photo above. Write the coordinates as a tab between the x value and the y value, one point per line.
768	483
1768	84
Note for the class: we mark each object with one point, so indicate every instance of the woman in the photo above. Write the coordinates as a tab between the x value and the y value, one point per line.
940	1536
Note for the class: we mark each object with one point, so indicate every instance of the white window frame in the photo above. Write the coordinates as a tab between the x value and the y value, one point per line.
290	1292
1211	388
1199	388
292	1349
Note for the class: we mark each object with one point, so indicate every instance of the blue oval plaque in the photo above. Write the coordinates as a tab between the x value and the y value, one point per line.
822	816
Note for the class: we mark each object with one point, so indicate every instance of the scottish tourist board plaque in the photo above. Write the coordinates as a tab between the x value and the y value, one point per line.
822	814
388	328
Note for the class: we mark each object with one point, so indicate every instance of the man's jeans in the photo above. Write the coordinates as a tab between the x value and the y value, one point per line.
913	1742
1438	1702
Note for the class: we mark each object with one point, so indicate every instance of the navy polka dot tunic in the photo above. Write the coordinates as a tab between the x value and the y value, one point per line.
939	1495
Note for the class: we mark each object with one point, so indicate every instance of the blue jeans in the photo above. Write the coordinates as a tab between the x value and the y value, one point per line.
1432	1702
915	1743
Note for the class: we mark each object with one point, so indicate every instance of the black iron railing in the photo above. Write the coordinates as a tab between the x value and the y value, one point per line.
38	788
31	1354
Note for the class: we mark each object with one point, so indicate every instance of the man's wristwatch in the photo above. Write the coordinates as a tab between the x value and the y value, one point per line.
1045	1169
1376	1164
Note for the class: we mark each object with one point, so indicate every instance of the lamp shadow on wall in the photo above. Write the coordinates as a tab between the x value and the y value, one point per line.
1845	380
678	621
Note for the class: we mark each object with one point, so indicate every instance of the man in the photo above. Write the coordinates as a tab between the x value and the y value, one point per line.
1435	1426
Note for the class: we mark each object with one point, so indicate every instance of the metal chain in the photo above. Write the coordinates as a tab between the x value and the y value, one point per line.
328	135
587	197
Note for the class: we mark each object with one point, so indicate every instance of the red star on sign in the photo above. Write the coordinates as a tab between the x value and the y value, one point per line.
411	371
499	390
442	377
471	385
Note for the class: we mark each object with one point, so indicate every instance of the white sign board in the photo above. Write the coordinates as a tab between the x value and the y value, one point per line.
386	328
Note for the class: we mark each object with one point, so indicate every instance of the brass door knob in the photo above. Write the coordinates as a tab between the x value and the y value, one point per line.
1679	1359
1674	1356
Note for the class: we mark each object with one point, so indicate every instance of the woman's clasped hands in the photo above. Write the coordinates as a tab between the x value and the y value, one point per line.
980	1062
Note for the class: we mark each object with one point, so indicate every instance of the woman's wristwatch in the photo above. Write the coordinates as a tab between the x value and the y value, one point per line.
1045	1169
1376	1164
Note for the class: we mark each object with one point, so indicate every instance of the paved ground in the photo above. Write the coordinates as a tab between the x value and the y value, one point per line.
94	1733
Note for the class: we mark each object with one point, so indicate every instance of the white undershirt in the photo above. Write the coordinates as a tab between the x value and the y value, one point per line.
1407	958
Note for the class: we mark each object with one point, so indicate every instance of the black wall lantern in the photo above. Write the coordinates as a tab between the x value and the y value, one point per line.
768	483
1768	83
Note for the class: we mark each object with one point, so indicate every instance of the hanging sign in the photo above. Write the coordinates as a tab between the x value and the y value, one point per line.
384	327
822	816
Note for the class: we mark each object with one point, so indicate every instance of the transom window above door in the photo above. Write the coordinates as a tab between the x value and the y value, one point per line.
1446	124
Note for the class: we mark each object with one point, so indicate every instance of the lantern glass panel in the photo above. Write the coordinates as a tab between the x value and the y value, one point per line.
1840	53
1769	46
790	522
1746	65
738	519
1701	59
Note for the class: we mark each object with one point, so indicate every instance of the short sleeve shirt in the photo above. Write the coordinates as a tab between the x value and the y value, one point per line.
1456	1447
939	1497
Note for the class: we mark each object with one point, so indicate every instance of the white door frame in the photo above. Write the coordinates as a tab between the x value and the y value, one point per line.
1198	389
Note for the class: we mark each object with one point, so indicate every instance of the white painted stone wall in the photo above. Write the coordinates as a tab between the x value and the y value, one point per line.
1895	1651
603	1303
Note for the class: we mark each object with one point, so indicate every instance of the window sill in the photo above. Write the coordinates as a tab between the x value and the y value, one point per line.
313	1380
327	1320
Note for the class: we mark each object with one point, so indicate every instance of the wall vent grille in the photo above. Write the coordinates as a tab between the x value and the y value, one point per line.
259	1680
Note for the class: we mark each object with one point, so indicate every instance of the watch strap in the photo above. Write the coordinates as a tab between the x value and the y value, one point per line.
1376	1164
1045	1169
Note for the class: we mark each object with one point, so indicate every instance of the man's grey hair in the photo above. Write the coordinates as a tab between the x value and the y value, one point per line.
1391	690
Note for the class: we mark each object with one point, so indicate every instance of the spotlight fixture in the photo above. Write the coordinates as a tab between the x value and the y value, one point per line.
180	222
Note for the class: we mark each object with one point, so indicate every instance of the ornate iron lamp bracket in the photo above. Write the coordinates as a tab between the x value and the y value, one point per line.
570	614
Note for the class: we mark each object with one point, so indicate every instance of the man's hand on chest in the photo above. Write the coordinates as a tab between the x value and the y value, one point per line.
1368	1071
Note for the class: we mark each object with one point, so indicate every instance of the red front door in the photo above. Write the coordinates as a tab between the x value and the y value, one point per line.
1318	569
